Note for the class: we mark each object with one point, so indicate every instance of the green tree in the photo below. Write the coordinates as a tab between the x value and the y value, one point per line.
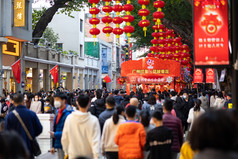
49	37
178	16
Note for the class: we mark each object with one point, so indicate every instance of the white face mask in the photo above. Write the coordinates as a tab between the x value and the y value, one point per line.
57	104
185	97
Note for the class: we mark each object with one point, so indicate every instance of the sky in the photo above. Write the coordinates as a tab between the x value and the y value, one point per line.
41	3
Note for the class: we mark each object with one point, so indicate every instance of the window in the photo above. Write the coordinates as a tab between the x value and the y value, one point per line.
81	50
81	25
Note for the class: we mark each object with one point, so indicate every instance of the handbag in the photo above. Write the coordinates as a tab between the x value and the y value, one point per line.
34	144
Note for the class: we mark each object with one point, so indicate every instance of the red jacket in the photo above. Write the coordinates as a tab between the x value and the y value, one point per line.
131	138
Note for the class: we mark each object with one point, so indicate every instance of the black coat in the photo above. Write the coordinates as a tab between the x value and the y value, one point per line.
97	107
159	142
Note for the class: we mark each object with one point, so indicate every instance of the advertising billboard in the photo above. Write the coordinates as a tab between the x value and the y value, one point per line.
211	42
104	61
198	76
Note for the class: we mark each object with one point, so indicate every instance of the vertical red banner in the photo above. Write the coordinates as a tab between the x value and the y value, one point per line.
211	41
210	75
198	76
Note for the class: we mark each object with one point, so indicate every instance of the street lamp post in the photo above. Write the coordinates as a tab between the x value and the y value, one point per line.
234	38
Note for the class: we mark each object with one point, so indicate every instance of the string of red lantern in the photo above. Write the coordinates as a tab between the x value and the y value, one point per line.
94	20
117	20
144	12
107	19
128	18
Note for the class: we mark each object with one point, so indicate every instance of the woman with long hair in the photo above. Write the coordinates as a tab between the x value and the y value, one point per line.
109	148
195	112
220	101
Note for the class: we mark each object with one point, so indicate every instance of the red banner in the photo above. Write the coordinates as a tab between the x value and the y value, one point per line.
211	42
150	68
16	69
55	73
210	75
198	76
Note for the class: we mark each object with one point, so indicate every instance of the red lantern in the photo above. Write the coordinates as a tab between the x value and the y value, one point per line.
144	2
155	34
94	32
143	12
107	9
94	10
107	30
128	7
158	15
128	29
117	31
154	49
154	41
144	23
117	20
128	18
94	21
159	4
117	8
107	19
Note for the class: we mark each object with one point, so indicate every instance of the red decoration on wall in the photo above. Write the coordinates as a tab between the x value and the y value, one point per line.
198	76
210	75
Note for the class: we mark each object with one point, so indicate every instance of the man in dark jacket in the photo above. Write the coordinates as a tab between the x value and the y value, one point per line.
29	118
175	125
159	139
60	117
118	98
98	106
110	104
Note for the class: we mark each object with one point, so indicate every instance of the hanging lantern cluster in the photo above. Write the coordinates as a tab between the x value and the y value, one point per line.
117	20
144	23
128	18
94	20
107	19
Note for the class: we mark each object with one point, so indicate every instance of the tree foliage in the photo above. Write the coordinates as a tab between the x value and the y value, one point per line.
49	37
178	16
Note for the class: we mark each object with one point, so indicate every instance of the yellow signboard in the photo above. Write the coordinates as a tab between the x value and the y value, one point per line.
19	13
11	48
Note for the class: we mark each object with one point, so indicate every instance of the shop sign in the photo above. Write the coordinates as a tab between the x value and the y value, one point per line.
12	47
19	13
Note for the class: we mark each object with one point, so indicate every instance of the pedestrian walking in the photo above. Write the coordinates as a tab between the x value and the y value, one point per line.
81	133
110	108
108	145
59	120
175	125
29	119
159	140
131	137
36	105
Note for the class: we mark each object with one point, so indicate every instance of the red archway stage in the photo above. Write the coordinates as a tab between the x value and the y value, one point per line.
150	70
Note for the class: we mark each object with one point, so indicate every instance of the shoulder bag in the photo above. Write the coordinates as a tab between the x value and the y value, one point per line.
34	144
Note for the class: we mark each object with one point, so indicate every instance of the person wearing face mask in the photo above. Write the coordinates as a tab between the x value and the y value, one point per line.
188	104
61	114
36	105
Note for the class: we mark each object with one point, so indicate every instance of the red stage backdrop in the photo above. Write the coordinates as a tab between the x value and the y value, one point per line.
211	32
198	76
210	75
150	67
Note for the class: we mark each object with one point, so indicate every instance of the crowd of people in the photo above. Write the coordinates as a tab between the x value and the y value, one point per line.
96	123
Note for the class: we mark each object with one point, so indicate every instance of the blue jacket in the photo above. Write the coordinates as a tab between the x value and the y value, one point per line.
118	99
58	129
30	120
